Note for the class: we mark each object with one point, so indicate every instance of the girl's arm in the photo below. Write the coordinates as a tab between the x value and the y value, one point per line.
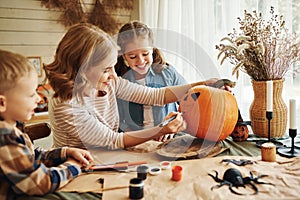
175	93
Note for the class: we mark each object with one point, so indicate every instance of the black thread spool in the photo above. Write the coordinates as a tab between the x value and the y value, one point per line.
136	188
142	171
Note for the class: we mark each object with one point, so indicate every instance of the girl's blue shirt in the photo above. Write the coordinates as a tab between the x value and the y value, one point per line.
132	115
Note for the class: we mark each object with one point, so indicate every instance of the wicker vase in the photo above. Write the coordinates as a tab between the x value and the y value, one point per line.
259	122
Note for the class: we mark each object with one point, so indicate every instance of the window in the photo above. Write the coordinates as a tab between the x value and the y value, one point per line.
188	30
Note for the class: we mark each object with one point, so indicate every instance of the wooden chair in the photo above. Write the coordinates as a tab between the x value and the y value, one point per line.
38	130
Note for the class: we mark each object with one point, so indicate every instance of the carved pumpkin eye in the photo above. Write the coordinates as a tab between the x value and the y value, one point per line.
185	98
195	95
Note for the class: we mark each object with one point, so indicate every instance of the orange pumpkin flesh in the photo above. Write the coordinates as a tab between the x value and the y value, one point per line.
210	113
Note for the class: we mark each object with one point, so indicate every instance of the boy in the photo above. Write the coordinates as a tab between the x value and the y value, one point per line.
23	169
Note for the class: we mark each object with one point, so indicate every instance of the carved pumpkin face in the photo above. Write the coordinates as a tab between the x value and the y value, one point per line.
210	113
43	104
240	133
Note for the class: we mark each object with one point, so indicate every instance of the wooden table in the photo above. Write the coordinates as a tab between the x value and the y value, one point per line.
195	184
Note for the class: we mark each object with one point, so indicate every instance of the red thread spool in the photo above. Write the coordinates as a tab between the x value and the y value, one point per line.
176	173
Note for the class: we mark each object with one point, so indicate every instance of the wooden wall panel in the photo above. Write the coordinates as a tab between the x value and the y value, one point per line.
32	30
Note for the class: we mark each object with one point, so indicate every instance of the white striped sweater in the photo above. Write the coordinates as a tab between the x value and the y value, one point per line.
95	124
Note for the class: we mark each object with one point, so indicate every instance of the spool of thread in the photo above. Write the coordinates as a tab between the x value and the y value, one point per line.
136	188
176	173
268	152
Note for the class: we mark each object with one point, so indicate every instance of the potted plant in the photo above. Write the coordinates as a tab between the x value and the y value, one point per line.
265	50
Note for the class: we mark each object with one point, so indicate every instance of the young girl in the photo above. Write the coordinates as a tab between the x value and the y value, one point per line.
83	111
144	64
23	169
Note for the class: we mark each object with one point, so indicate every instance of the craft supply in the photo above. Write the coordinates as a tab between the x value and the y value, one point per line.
268	152
176	173
114	166
233	177
155	171
114	188
142	171
165	165
241	162
167	121
136	188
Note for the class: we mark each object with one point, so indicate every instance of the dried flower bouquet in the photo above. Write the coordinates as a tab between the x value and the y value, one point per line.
262	49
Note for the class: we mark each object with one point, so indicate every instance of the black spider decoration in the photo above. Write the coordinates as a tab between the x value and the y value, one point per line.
233	177
241	162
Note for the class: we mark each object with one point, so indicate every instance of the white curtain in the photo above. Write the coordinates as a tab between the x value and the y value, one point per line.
188	30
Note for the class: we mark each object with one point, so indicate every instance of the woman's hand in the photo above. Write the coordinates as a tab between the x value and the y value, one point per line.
80	155
175	126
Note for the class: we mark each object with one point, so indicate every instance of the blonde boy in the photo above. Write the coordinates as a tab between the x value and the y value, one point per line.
23	169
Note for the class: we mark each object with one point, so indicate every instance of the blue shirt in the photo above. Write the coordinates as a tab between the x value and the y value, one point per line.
132	114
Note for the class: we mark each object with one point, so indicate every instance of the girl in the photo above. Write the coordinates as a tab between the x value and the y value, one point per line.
143	64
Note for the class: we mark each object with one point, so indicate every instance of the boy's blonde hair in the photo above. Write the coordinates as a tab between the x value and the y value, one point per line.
83	46
13	66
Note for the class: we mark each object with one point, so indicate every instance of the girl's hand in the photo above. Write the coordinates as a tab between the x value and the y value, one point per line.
80	155
211	81
224	84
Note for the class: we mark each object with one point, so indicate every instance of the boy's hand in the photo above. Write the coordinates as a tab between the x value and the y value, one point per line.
80	155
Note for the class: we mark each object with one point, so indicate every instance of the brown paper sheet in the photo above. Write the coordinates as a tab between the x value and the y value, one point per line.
196	184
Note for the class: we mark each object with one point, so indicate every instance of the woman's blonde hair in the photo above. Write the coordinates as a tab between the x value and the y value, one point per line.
83	46
13	66
131	31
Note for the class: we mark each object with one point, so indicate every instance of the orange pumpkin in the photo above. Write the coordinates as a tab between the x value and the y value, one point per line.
240	133
210	113
42	106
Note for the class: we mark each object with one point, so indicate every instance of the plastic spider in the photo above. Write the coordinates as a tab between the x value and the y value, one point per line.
234	178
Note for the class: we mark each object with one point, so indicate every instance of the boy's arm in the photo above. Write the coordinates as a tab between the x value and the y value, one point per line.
24	175
51	157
